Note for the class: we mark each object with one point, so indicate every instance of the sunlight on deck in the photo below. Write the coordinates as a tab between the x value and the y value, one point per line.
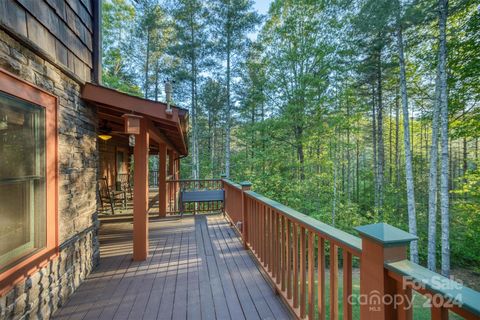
196	269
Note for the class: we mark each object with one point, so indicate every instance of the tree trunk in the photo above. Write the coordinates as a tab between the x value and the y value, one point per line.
349	187
334	202
397	145
300	152
432	184
444	190
381	147
227	116
147	64
374	135
465	156
195	154
156	80
357	174
412	217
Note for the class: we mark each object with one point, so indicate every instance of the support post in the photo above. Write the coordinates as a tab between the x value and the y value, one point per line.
223	177
162	180
245	187
171	163
381	243
177	169
140	195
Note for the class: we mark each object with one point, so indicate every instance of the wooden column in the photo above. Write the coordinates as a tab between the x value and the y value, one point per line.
380	243
245	187
171	163
177	169
140	195
162	180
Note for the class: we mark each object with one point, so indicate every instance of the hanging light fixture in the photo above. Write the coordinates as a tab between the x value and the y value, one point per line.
105	131
105	137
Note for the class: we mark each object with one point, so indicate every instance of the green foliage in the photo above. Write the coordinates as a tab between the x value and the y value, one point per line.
302	99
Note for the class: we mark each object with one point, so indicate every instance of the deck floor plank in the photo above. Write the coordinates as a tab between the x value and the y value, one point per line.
245	275
251	274
196	269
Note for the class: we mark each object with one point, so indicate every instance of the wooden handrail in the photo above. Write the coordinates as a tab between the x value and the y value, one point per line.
341	238
195	180
445	293
233	200
291	248
175	186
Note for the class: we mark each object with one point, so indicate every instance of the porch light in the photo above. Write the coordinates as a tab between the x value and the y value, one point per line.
105	137
132	123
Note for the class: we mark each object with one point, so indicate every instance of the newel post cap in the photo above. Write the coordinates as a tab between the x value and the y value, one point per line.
386	235
245	184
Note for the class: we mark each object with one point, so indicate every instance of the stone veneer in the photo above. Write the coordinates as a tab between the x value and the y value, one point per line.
42	293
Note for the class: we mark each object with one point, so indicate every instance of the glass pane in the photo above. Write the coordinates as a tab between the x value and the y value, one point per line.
22	180
120	162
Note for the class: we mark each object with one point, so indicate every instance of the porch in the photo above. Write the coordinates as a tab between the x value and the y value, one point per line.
196	269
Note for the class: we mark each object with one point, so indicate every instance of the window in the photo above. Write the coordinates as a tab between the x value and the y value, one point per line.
22	179
28	179
120	162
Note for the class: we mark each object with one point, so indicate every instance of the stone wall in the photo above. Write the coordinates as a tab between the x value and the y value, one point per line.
42	293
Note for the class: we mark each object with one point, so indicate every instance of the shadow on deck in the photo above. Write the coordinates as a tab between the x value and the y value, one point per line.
197	269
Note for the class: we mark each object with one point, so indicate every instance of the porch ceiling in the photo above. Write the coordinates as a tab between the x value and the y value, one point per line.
112	104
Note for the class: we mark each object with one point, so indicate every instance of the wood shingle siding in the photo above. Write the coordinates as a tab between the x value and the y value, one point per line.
63	29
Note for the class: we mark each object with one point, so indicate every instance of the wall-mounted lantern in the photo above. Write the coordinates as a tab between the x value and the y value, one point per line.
132	123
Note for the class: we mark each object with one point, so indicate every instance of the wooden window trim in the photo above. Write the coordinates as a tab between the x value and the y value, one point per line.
21	89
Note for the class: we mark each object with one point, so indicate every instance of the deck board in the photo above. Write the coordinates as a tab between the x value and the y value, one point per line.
196	269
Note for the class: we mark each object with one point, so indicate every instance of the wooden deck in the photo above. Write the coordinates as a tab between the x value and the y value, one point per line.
196	269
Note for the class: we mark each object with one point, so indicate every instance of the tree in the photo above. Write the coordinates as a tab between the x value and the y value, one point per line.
412	216
117	29
192	39
231	21
444	160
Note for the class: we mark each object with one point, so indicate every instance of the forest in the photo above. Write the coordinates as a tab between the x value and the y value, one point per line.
353	112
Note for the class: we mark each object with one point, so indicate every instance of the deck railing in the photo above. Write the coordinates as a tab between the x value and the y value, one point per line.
293	249
233	200
153	178
174	187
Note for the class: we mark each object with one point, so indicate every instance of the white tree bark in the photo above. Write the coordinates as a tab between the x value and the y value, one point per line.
195	153
444	170
432	185
229	109
412	216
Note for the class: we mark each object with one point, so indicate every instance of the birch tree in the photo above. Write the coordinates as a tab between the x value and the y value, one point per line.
231	20
444	160
412	216
190	21
432	185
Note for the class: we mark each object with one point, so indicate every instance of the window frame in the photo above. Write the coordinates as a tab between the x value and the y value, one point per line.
20	89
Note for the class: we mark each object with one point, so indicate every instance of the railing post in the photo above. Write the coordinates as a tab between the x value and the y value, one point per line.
245	187
162	180
223	177
381	243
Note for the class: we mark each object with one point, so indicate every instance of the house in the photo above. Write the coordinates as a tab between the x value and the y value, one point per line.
64	137
52	106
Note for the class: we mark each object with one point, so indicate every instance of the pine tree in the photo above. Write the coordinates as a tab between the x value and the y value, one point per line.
231	21
192	39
